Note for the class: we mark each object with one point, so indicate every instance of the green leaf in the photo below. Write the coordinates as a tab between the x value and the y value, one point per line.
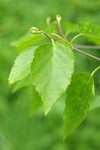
94	40
22	65
89	29
95	103
29	40
80	94
35	100
20	85
52	68
34	39
70	27
52	28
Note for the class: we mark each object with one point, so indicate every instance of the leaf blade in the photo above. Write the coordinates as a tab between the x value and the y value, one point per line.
35	100
89	29
49	74
22	65
79	103
29	40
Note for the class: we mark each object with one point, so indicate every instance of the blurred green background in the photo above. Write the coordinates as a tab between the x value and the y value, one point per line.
18	129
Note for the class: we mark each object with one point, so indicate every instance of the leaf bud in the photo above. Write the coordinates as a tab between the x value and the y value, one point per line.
34	30
58	17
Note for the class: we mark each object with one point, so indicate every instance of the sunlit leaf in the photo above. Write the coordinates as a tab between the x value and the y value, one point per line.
52	68
22	65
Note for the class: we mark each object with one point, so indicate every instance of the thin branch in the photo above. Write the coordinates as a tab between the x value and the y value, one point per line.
86	46
89	55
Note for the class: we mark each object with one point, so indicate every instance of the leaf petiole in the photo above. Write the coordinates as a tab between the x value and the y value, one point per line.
76	37
95	70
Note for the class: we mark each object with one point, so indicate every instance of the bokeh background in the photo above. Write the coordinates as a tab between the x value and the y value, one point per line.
18	129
